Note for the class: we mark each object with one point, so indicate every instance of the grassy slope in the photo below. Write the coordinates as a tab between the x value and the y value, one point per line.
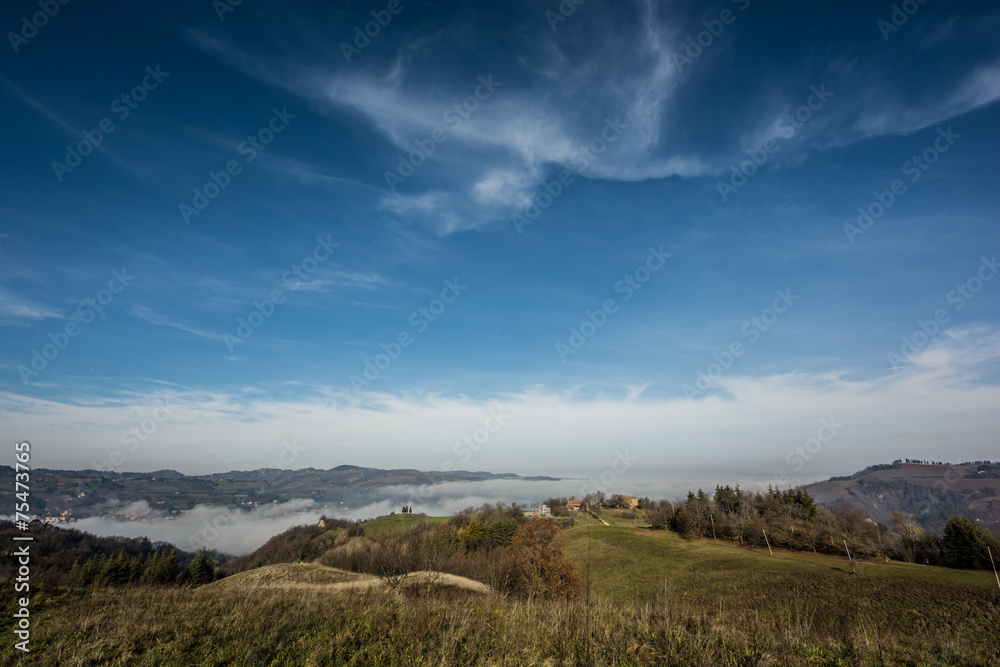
275	627
640	560
328	535
817	592
398	522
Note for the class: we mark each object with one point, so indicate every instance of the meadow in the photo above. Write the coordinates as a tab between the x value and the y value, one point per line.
652	598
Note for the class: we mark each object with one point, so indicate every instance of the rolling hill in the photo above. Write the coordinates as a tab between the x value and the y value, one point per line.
82	493
931	492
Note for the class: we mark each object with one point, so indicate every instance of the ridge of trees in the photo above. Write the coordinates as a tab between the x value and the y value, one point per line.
66	556
792	519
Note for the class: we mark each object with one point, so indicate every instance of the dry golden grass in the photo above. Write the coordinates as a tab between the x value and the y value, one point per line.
312	576
288	575
656	600
275	626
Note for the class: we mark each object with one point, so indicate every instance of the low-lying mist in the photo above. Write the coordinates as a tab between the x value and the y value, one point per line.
239	532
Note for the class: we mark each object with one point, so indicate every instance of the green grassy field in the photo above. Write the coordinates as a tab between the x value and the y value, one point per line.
399	522
636	562
905	609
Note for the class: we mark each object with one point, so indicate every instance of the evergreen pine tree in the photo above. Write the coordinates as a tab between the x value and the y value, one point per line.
202	569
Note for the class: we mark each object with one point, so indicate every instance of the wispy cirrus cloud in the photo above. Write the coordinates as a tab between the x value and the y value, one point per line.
16	309
147	314
343	279
548	108
498	150
977	89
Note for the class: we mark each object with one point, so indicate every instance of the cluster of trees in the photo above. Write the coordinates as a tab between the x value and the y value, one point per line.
496	545
69	557
201	570
966	545
476	535
793	520
121	570
943	463
731	512
616	501
963	543
511	553
159	569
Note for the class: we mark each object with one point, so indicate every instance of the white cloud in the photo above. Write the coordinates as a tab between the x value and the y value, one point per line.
497	153
348	279
879	116
14	308
550	105
149	315
934	407
520	136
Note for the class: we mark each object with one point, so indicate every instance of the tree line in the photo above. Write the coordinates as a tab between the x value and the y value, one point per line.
66	556
793	520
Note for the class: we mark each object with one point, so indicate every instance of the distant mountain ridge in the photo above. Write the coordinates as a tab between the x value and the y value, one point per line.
81	493
932	492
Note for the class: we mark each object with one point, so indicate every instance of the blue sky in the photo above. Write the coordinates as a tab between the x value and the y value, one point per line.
483	185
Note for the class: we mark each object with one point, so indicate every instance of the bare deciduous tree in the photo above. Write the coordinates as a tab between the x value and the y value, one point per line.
391	559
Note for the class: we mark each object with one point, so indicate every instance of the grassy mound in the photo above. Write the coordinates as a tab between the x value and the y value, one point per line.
399	523
287	575
299	576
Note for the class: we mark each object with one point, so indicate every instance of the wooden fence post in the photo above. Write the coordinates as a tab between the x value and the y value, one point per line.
990	552
850	558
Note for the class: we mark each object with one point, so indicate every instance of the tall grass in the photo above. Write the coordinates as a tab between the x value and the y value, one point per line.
653	599
219	626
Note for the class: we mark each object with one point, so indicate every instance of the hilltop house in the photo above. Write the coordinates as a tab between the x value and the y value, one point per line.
539	513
